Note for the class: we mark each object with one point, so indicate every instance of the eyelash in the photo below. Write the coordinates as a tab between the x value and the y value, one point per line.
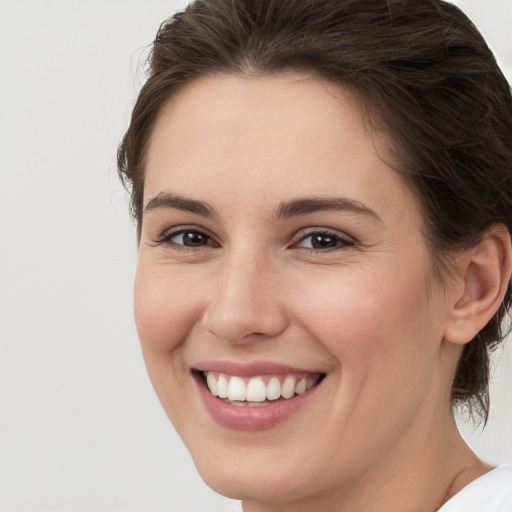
340	241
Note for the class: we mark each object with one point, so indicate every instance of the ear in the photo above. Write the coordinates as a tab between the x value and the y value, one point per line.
484	272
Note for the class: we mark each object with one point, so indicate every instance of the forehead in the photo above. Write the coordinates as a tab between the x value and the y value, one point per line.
273	136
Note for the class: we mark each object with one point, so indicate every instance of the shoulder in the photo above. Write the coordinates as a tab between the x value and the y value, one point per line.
491	492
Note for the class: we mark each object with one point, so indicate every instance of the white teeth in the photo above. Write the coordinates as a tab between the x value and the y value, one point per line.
236	389
222	387
288	387
212	383
255	392
273	389
300	387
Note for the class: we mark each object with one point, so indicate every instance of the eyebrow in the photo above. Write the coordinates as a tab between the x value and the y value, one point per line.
317	204
295	207
177	202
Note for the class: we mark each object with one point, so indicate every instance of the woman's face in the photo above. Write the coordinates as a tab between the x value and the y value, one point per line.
281	256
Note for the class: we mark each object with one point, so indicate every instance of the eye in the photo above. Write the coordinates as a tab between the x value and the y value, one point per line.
323	241
190	238
187	238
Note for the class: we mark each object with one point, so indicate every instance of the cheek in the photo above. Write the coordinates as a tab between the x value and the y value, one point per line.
380	331
373	318
166	307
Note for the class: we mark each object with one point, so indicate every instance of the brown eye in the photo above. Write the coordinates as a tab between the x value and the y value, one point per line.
325	241
190	238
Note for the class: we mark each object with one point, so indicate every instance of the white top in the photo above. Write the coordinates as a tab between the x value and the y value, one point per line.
491	492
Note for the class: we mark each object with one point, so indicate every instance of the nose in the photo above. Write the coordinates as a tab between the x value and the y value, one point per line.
247	304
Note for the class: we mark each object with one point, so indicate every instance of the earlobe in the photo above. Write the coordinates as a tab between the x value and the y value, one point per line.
486	270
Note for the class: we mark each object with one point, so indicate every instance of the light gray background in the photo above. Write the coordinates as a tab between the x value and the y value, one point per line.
80	427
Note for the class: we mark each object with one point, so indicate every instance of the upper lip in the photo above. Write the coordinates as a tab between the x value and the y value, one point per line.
251	369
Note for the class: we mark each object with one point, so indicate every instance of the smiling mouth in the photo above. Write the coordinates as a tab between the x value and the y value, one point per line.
258	391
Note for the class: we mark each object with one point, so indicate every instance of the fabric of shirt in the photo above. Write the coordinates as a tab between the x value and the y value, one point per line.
491	492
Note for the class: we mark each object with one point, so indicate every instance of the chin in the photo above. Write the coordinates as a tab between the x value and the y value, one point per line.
249	483
263	471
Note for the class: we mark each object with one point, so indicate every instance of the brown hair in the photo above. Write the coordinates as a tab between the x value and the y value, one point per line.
422	71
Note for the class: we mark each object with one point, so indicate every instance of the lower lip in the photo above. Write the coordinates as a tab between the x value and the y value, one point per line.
250	418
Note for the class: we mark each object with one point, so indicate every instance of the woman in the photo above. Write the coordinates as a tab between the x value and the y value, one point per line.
323	199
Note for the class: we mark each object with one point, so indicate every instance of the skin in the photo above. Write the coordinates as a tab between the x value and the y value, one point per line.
367	311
